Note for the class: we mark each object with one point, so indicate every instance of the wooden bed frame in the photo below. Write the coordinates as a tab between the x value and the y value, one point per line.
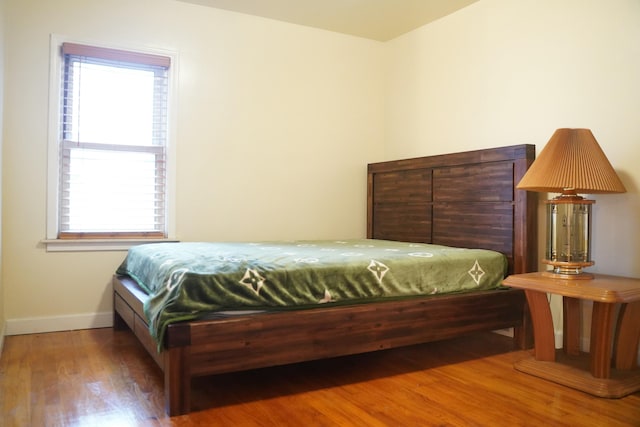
463	199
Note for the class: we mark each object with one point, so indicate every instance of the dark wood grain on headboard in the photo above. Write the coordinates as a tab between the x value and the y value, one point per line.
463	199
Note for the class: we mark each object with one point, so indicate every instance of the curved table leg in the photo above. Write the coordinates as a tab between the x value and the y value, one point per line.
571	326
627	337
601	335
544	341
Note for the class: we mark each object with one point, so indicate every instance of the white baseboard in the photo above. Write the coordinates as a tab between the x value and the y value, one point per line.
507	332
584	341
2	334
558	335
35	325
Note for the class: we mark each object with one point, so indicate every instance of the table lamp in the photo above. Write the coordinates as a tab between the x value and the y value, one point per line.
572	162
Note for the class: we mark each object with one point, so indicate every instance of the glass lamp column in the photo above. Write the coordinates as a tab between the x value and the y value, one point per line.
568	242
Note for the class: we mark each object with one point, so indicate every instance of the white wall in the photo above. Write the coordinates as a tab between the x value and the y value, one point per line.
503	72
2	299
275	125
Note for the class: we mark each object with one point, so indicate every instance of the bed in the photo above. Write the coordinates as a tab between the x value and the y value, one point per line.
460	200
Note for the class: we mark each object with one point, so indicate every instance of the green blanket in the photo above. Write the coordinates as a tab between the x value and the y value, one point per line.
188	281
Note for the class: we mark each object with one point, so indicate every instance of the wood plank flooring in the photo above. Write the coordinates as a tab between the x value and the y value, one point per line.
101	377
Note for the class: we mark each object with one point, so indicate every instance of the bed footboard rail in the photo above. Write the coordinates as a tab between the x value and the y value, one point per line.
244	343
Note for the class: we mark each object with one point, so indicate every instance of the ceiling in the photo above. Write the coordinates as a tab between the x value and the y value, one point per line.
374	19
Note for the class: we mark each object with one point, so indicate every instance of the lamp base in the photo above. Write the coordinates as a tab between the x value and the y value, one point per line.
568	270
579	276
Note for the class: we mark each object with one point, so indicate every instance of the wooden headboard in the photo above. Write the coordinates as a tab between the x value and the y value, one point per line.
466	199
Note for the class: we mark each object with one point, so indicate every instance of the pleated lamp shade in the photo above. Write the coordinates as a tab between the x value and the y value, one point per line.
572	161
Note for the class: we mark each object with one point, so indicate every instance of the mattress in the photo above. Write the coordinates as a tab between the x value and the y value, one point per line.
192	280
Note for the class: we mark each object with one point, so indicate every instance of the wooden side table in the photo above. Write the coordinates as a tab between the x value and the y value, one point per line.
610	368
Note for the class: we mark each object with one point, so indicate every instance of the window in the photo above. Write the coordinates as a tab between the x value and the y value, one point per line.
111	149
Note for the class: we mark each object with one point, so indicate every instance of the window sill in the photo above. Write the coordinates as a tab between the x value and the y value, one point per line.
89	245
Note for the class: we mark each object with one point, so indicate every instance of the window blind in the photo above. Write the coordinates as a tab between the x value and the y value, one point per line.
112	143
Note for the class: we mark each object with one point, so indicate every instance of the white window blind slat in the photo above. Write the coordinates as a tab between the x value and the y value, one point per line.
113	142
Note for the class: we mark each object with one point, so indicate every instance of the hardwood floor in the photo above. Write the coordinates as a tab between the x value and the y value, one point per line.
101	377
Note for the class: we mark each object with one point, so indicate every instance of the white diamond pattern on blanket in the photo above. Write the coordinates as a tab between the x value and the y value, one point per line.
252	280
421	254
306	260
476	272
175	278
378	269
327	297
